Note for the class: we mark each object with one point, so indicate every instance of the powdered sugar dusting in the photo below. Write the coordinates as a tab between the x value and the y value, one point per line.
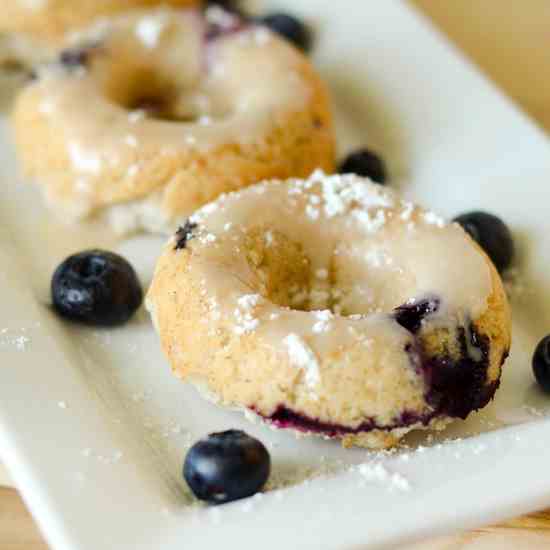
408	209
322	274
131	140
209	208
433	219
109	458
17	340
345	194
376	472
323	321
46	107
199	216
303	357
370	223
136	116
312	212
208	238
246	322
133	170
82	160
149	30
371	472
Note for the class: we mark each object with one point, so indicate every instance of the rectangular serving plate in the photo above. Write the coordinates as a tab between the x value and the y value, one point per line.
5	480
93	427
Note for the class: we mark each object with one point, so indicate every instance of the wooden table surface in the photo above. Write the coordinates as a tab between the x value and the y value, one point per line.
510	41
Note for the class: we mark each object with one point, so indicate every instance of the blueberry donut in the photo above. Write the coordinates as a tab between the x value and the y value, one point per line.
332	307
153	114
47	21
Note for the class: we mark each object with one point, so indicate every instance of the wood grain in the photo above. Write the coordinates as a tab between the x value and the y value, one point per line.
17	529
509	41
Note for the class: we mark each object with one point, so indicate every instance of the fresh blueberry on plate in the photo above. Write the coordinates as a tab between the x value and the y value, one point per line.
226	466
97	288
541	363
290	28
492	234
75	57
365	163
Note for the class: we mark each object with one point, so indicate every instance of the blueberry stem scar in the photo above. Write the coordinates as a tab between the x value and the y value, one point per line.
184	234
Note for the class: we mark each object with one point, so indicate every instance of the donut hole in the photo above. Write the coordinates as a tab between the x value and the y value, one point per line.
369	278
154	63
282	269
161	96
286	275
347	285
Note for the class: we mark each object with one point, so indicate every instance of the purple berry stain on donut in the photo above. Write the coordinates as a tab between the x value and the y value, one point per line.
286	418
184	235
454	386
76	57
283	417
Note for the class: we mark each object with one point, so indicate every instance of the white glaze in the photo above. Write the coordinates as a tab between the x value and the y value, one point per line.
216	84
382	262
33	5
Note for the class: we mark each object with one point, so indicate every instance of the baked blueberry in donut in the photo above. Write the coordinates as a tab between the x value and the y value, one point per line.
183	234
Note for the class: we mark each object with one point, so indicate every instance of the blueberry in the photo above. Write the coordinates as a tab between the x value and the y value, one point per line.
491	234
541	363
290	28
226	466
97	288
184	235
411	315
79	57
364	163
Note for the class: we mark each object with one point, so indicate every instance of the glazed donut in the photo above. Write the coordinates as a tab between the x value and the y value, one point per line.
155	113
332	307
47	21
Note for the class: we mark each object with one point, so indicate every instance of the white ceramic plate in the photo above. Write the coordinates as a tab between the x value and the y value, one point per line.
4	477
94	428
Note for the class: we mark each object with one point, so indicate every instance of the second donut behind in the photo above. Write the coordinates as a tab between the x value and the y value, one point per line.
155	113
